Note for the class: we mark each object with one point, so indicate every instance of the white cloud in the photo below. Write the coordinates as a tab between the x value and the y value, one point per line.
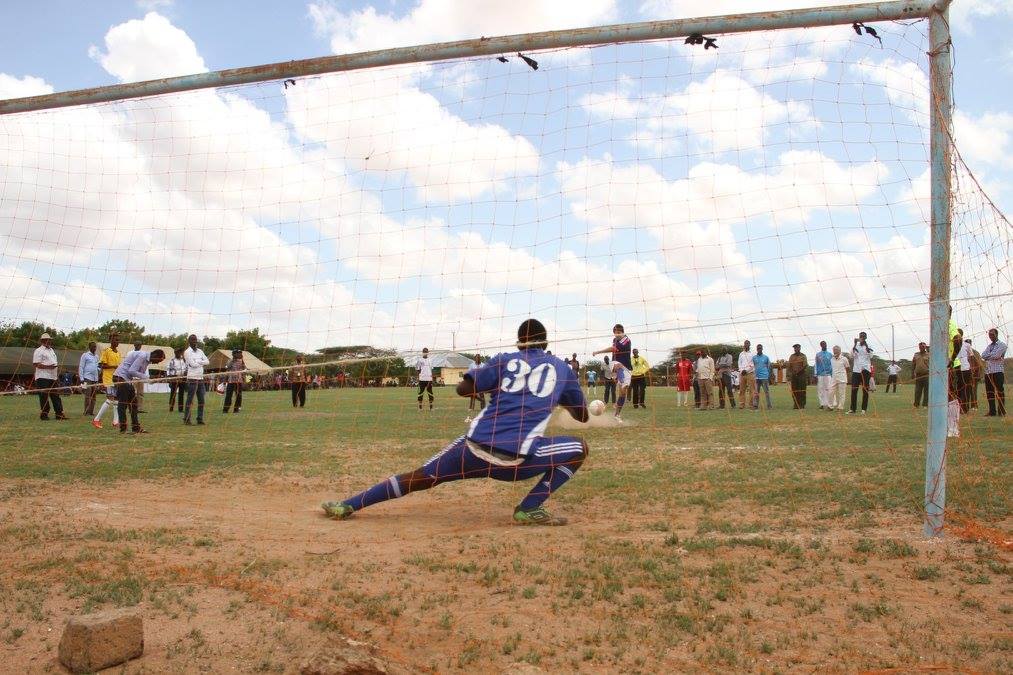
13	87
963	14
148	49
719	113
447	20
905	84
382	121
692	217
985	139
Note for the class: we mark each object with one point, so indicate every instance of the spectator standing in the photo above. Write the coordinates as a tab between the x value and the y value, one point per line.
638	384
478	397
995	374
46	369
133	369
824	370
195	360
761	371
592	382
747	378
175	370
108	362
424	368
574	364
88	375
696	380
861	372
234	382
840	374
798	377
139	385
892	371
964	380
297	382
683	380
920	375
705	371
609	380
977	371
724	379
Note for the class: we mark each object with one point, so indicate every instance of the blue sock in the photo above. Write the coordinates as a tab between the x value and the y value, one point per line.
381	492
549	483
619	404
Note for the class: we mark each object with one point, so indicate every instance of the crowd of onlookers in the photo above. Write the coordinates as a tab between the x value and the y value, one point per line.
730	380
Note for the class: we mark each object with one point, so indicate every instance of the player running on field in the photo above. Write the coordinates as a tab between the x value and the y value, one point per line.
622	364
504	441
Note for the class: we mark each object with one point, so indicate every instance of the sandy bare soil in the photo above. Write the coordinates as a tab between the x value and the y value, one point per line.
247	575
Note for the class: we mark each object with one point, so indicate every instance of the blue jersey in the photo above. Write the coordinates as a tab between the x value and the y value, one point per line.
621	350
761	363
823	364
525	387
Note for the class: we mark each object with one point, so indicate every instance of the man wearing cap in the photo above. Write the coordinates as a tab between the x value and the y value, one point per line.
87	374
133	369
920	375
234	381
638	383
798	377
46	366
424	368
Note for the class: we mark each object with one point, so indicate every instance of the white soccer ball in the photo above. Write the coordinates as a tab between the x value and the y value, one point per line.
596	407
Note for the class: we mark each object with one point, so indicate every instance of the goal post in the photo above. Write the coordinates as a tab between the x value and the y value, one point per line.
940	170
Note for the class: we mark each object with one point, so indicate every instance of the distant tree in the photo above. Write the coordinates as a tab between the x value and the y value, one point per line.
366	361
27	334
127	329
248	340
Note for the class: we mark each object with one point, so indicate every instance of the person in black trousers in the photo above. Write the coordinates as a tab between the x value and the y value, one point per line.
297	377
234	385
610	382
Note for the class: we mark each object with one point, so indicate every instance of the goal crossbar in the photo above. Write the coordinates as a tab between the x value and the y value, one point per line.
443	51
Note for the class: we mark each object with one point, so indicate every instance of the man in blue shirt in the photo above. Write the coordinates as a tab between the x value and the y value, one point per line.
823	368
761	365
504	441
87	374
133	368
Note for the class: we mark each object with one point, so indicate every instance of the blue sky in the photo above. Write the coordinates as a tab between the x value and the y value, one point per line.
772	191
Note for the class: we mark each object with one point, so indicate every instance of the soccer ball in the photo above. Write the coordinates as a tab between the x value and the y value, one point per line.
596	407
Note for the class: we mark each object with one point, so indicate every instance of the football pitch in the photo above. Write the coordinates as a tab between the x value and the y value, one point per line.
723	540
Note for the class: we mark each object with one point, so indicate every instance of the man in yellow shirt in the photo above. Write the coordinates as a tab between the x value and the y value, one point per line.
108	362
638	383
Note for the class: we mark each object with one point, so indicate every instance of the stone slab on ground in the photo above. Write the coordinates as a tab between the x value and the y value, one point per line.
344	658
95	641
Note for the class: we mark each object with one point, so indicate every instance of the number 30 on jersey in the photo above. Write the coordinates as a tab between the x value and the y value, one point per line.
540	380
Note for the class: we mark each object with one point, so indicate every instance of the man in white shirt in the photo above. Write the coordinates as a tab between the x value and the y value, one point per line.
195	360
705	375
88	374
175	370
964	382
46	367
840	376
892	371
747	377
424	366
861	372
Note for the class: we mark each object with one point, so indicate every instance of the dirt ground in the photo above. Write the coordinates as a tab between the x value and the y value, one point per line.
246	575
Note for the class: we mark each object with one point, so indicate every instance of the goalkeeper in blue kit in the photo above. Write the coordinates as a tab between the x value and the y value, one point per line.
504	441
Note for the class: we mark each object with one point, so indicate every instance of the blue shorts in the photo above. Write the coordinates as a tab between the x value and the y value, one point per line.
458	462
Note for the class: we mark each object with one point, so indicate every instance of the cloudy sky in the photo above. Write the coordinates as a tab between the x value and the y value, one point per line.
774	188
